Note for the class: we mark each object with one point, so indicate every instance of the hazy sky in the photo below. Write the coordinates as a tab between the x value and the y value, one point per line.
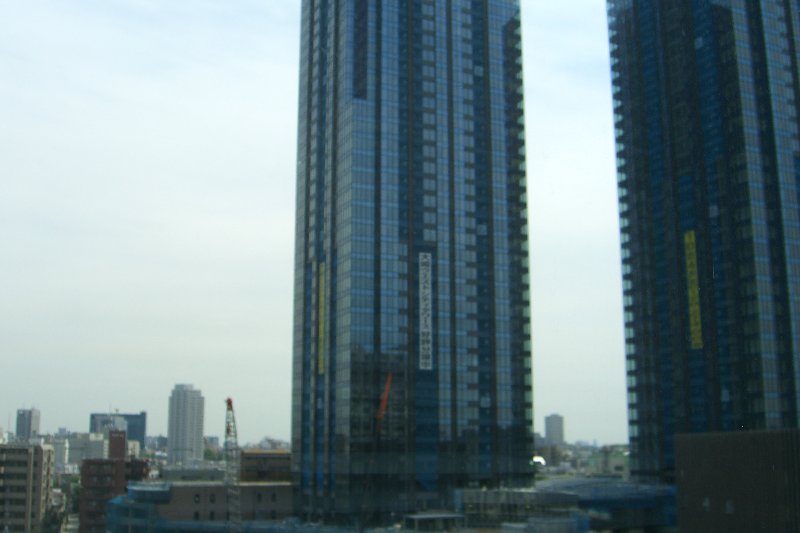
147	167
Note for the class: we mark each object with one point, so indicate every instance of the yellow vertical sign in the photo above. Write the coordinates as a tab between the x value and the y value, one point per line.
693	290
321	318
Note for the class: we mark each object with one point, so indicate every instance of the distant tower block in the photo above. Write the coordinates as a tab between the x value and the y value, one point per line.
554	429
27	424
185	428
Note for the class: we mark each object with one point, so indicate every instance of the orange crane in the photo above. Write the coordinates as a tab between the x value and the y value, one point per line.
384	401
232	466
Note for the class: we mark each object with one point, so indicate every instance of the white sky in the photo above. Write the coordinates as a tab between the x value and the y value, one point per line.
147	211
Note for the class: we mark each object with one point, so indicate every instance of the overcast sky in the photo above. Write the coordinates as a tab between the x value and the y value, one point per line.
147	167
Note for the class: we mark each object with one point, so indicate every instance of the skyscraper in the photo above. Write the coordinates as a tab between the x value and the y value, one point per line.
185	427
412	369
706	97
27	424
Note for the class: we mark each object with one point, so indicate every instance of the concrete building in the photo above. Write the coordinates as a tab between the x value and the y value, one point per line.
185	427
554	429
61	449
26	481
87	446
27	424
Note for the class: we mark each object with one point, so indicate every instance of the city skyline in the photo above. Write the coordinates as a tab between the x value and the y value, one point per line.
143	243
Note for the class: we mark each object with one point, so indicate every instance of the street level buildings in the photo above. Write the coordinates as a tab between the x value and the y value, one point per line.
412	369
26	481
185	425
706	99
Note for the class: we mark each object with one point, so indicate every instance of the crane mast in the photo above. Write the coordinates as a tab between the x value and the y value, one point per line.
232	466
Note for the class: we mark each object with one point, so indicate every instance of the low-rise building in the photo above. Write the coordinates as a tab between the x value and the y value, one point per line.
196	505
493	507
26	477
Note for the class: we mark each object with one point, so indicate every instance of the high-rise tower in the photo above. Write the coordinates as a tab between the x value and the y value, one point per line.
706	97
27	424
185	426
411	262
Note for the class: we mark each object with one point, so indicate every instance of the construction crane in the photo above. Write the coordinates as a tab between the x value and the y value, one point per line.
375	463
232	465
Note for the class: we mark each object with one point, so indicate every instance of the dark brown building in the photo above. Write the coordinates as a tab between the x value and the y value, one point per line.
103	479
746	481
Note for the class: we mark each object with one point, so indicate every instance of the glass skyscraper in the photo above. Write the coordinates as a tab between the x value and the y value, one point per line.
706	97
412	368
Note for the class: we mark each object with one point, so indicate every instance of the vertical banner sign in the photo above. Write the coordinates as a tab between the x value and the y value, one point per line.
693	288
425	319
321	319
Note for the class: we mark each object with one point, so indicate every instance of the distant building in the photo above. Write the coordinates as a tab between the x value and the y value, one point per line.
157	443
739	481
61	455
212	443
554	429
185	428
87	446
608	461
103	479
27	424
197	506
26	482
135	425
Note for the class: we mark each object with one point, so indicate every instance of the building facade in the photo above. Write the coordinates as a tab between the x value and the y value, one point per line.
412	370
185	425
27	424
26	481
706	98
